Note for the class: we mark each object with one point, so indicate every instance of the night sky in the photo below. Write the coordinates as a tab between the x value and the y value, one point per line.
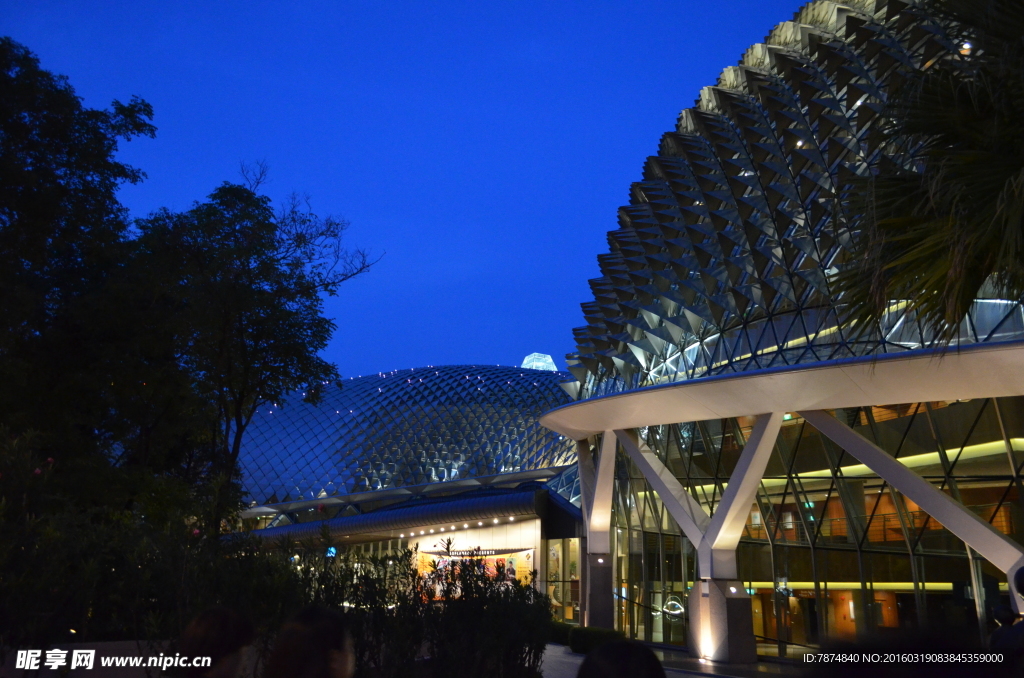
482	147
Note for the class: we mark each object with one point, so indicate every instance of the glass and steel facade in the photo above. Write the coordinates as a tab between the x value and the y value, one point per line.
722	260
722	264
404	428
404	459
829	548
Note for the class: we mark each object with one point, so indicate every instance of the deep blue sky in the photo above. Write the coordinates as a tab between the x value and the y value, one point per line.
484	146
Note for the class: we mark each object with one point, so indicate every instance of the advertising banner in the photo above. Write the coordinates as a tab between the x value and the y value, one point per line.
516	562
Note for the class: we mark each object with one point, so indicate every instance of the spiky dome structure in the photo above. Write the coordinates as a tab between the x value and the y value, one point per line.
723	257
405	428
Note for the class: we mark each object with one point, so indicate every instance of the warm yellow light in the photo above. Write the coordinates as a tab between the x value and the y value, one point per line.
855	585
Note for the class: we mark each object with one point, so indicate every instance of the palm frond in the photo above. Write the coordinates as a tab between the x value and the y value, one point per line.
949	220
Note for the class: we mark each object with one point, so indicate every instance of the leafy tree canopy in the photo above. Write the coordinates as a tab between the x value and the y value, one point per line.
61	231
132	357
243	289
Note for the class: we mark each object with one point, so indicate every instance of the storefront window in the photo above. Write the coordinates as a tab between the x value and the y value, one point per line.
830	550
563	582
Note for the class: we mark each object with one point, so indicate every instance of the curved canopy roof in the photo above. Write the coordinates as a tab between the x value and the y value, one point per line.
978	371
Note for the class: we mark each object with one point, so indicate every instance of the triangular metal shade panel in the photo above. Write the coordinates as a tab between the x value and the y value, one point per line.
741	220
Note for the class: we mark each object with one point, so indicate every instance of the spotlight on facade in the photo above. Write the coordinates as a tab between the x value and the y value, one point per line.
600	560
495	521
465	525
511	517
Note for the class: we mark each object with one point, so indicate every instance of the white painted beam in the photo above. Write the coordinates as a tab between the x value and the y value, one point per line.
681	505
994	546
716	553
978	371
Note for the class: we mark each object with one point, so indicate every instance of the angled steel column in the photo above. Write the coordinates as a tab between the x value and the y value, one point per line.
588	480
994	546
717	550
721	621
599	522
681	505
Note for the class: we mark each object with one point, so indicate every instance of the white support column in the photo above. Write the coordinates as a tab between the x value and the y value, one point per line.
599	519
721	621
681	505
717	551
600	608
994	546
588	480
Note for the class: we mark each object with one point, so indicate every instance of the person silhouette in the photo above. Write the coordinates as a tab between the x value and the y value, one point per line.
316	643
219	633
621	658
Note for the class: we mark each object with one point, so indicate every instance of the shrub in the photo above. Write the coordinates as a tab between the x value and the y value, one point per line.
583	639
560	632
468	621
484	625
381	599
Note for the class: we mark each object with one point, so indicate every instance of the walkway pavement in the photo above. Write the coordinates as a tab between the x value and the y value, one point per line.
561	662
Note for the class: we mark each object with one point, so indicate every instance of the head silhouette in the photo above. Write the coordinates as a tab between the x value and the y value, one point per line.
220	634
1004	615
621	658
314	644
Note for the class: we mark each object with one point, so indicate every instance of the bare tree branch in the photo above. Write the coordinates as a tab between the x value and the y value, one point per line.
254	175
315	244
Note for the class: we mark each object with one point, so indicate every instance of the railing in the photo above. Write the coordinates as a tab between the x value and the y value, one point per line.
883	528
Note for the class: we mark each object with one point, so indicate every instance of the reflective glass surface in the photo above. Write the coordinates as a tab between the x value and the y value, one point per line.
722	262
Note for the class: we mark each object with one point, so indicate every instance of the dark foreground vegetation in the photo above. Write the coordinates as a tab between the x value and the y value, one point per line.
133	354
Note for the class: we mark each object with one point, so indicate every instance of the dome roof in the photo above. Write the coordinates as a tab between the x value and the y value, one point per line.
404	428
722	260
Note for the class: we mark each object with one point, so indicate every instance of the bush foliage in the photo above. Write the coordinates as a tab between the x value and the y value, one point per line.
559	632
457	620
583	639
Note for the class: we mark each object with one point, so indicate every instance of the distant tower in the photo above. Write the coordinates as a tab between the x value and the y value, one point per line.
539	361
